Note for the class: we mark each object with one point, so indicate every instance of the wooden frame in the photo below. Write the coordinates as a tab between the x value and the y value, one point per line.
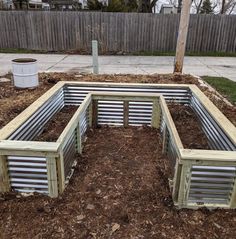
53	151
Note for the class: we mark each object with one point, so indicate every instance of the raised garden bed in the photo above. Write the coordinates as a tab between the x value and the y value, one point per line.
189	185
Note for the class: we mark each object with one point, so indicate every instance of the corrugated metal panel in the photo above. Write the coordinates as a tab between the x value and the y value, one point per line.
140	113
76	93
69	153
217	138
110	112
28	174
84	123
211	184
34	125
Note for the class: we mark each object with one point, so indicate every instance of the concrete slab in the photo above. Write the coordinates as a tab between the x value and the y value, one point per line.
212	66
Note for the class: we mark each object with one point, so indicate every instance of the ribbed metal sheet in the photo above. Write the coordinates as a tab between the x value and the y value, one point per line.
34	125
140	113
211	184
84	123
76	93
28	174
217	138
69	153
171	154
110	112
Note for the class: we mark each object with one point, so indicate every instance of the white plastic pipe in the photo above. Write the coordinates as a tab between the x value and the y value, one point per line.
95	56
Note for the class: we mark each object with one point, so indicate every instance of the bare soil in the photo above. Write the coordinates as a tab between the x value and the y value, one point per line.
189	127
56	124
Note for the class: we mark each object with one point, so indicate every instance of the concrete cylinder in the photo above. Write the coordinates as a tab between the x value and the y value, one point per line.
25	72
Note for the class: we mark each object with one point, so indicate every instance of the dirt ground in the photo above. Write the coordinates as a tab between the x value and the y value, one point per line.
119	190
120	185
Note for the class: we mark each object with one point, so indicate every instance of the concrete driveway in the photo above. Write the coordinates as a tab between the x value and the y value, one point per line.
212	66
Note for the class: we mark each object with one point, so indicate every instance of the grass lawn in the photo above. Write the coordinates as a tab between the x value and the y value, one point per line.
225	86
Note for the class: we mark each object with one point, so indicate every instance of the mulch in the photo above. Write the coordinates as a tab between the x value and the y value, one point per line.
56	124
189	127
120	185
119	190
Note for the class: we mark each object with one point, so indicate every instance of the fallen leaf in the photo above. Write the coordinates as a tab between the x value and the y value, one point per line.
90	206
115	227
80	217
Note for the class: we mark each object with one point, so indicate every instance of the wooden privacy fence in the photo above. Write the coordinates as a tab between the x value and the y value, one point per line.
197	177
116	32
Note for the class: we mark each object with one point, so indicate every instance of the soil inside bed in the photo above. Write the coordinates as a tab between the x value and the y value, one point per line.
56	124
189	127
119	190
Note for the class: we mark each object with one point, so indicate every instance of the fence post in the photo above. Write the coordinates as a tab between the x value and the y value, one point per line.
156	114
52	177
126	113
4	176
95	56
184	185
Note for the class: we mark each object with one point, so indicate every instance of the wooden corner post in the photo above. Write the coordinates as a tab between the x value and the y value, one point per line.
61	173
4	176
156	114
52	177
184	185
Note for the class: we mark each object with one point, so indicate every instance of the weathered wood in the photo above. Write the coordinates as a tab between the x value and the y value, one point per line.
184	185
156	114
4	177
61	173
170	124
208	155
71	126
126	113
124	96
58	31
176	181
29	148
52	177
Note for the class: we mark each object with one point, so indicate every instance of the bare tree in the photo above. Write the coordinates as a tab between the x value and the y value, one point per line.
225	6
197	5
177	4
147	5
